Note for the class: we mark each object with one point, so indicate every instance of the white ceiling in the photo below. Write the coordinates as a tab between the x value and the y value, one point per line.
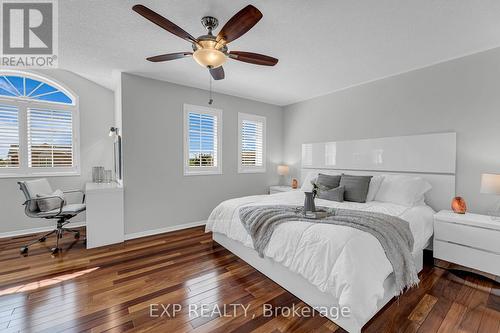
322	45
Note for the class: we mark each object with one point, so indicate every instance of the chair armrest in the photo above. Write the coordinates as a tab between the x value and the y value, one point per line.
73	191
29	213
76	191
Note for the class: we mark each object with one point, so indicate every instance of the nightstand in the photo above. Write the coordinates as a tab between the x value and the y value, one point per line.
280	188
470	240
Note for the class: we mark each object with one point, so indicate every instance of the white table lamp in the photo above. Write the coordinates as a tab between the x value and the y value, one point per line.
283	170
490	184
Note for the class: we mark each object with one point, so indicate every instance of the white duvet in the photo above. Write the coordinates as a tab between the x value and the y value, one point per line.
348	263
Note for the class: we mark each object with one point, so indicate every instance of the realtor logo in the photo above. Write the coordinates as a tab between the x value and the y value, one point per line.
29	33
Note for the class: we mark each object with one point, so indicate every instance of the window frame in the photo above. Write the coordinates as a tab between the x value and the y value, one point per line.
256	118
23	104
197	171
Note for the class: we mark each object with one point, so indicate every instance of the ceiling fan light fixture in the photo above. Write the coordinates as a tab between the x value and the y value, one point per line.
209	57
211	51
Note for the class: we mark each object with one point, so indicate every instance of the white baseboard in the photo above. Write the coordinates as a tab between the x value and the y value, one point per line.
164	230
127	237
36	230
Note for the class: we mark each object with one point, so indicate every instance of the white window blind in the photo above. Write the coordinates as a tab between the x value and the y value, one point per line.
50	138
39	129
202	133
9	136
202	140
252	143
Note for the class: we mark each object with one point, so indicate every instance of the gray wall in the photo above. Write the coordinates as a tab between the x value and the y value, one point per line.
462	95
96	116
157	194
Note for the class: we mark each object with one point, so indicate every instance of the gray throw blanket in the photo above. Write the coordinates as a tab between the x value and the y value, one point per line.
392	232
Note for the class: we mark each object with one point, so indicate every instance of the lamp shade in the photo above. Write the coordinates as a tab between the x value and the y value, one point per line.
210	58
282	170
490	183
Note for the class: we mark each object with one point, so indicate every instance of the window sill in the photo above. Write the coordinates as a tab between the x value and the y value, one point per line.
252	170
40	174
202	173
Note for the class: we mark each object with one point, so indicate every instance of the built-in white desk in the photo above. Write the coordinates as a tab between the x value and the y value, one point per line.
104	214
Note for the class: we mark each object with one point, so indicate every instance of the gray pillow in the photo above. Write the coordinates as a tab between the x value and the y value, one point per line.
334	194
356	187
47	202
328	181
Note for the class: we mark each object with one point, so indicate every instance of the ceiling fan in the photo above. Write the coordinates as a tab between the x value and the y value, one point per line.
208	50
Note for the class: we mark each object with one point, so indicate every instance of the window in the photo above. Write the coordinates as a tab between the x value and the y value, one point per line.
252	143
9	136
50	138
38	127
202	140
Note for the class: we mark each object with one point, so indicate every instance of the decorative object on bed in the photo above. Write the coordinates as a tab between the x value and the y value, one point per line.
490	184
307	183
332	194
309	205
295	183
403	190
355	187
393	233
317	215
458	205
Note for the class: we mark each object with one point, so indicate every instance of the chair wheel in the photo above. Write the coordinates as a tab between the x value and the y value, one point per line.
43	239
55	250
77	235
24	250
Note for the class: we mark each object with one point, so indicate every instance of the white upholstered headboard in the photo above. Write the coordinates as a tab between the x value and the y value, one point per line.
431	156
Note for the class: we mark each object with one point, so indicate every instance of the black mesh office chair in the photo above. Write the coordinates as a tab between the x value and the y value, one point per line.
40	189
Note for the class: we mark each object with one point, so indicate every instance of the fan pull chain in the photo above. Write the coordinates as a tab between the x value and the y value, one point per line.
210	99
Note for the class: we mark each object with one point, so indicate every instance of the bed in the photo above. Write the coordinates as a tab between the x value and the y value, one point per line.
332	267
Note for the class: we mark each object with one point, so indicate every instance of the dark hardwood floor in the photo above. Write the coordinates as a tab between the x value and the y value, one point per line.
110	289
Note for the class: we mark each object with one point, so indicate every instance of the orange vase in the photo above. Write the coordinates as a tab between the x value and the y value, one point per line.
458	205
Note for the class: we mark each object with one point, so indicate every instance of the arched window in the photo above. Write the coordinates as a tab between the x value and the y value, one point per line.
38	126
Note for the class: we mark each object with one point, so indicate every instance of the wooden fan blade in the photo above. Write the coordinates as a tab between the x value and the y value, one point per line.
217	73
169	56
163	22
239	24
253	58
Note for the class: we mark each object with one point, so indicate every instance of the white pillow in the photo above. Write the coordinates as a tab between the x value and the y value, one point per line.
306	185
375	183
48	202
403	190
